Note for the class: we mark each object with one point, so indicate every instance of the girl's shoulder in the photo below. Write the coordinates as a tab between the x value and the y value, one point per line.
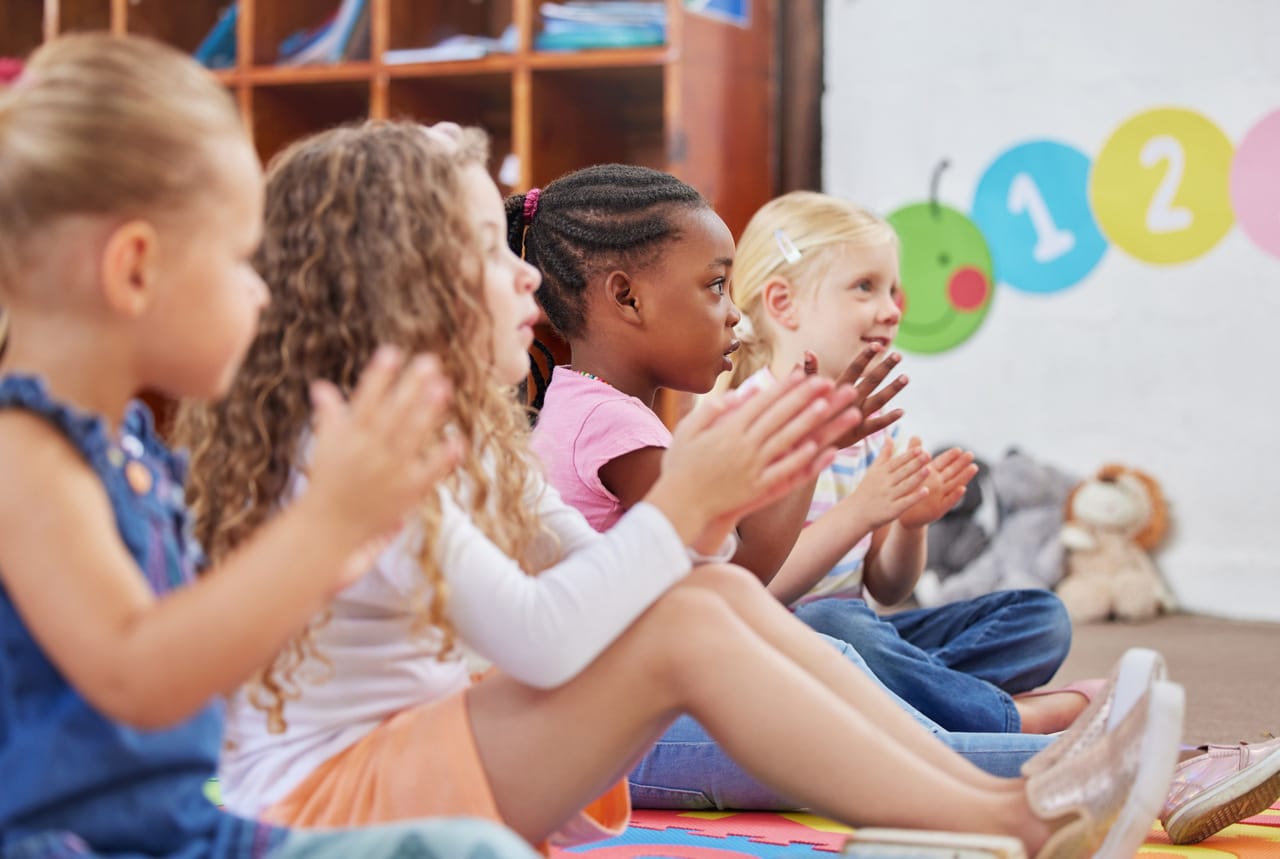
88	432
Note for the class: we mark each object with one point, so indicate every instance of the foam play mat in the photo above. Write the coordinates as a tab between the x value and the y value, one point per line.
740	835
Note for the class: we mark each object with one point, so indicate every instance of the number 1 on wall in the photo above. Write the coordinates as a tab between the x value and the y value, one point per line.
1051	240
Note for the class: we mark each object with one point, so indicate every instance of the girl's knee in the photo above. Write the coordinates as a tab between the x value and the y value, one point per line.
692	619
1049	615
727	580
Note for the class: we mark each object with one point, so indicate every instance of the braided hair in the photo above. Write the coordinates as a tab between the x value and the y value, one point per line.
592	220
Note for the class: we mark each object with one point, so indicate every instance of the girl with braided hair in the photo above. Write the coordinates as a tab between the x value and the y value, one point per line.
635	268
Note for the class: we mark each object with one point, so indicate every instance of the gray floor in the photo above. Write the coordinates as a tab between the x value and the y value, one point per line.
1230	670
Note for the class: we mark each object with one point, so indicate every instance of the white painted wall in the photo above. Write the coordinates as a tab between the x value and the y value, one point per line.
1172	369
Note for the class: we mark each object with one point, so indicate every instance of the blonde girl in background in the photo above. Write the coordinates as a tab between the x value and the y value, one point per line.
599	641
130	203
819	274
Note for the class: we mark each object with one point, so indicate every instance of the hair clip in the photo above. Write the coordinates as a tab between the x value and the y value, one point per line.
790	252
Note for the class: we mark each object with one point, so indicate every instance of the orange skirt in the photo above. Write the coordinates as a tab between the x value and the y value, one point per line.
423	762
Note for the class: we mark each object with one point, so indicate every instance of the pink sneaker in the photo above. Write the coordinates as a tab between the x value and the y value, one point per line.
1224	785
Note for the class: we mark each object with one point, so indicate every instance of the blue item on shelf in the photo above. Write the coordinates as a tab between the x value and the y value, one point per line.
583	24
333	43
218	48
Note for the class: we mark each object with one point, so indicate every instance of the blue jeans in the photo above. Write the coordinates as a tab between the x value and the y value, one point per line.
688	770
958	664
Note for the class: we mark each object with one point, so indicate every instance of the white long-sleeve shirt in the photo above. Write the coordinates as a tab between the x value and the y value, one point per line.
542	630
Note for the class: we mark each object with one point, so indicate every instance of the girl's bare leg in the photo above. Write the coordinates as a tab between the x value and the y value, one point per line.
550	752
799	643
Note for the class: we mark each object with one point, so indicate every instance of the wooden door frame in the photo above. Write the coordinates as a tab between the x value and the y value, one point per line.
799	109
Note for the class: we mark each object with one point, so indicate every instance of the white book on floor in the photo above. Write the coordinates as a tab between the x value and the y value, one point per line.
873	843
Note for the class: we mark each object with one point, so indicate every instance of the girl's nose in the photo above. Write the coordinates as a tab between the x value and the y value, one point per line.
890	312
735	315
258	293
530	278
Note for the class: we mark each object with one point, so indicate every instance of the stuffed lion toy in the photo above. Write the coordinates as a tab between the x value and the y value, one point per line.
1113	521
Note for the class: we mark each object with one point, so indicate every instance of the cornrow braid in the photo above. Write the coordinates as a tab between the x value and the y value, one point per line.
592	220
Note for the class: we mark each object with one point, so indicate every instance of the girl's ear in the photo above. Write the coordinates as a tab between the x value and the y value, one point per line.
621	296
127	265
779	300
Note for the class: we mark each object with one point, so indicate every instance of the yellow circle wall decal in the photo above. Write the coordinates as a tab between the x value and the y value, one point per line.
1159	189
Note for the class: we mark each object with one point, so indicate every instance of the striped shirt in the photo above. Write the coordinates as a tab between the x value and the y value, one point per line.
836	482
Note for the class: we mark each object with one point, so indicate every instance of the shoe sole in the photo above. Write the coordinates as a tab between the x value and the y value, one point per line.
1139	669
1136	671
1161	742
1255	789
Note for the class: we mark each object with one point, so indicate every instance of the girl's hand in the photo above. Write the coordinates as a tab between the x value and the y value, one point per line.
892	485
378	456
868	399
736	453
949	474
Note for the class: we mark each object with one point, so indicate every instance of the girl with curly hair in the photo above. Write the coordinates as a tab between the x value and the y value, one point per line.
599	640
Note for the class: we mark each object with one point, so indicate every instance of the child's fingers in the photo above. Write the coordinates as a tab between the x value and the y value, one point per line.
843	418
909	476
803	398
858	366
871	425
952	498
960	480
875	401
876	375
909	499
326	402
949	457
911	462
709	409
818	422
437	464
954	463
420	425
376	379
410	398
751	404
808	363
788	470
884	459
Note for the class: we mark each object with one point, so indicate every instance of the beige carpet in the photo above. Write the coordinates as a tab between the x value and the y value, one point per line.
1230	669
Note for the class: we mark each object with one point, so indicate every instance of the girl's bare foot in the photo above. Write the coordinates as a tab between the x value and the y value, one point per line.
1048	711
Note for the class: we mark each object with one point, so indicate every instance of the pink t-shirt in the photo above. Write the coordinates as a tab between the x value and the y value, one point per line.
585	423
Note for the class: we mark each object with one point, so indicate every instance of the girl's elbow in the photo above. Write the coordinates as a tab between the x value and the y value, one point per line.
550	673
148	708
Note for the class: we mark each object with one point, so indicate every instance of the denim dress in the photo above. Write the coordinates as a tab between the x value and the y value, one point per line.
73	782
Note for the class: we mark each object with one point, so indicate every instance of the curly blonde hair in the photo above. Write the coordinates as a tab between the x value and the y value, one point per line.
365	243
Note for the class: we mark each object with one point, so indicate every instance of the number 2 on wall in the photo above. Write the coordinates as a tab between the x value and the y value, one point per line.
1162	215
1051	240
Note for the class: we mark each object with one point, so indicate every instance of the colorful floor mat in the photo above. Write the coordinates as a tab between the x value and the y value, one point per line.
742	835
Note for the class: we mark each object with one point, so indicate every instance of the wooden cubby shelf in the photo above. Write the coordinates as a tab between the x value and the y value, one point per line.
703	105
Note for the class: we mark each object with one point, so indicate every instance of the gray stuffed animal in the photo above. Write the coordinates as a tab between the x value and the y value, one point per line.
1023	550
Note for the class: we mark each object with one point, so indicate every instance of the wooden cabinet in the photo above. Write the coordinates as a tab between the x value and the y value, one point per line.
703	106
